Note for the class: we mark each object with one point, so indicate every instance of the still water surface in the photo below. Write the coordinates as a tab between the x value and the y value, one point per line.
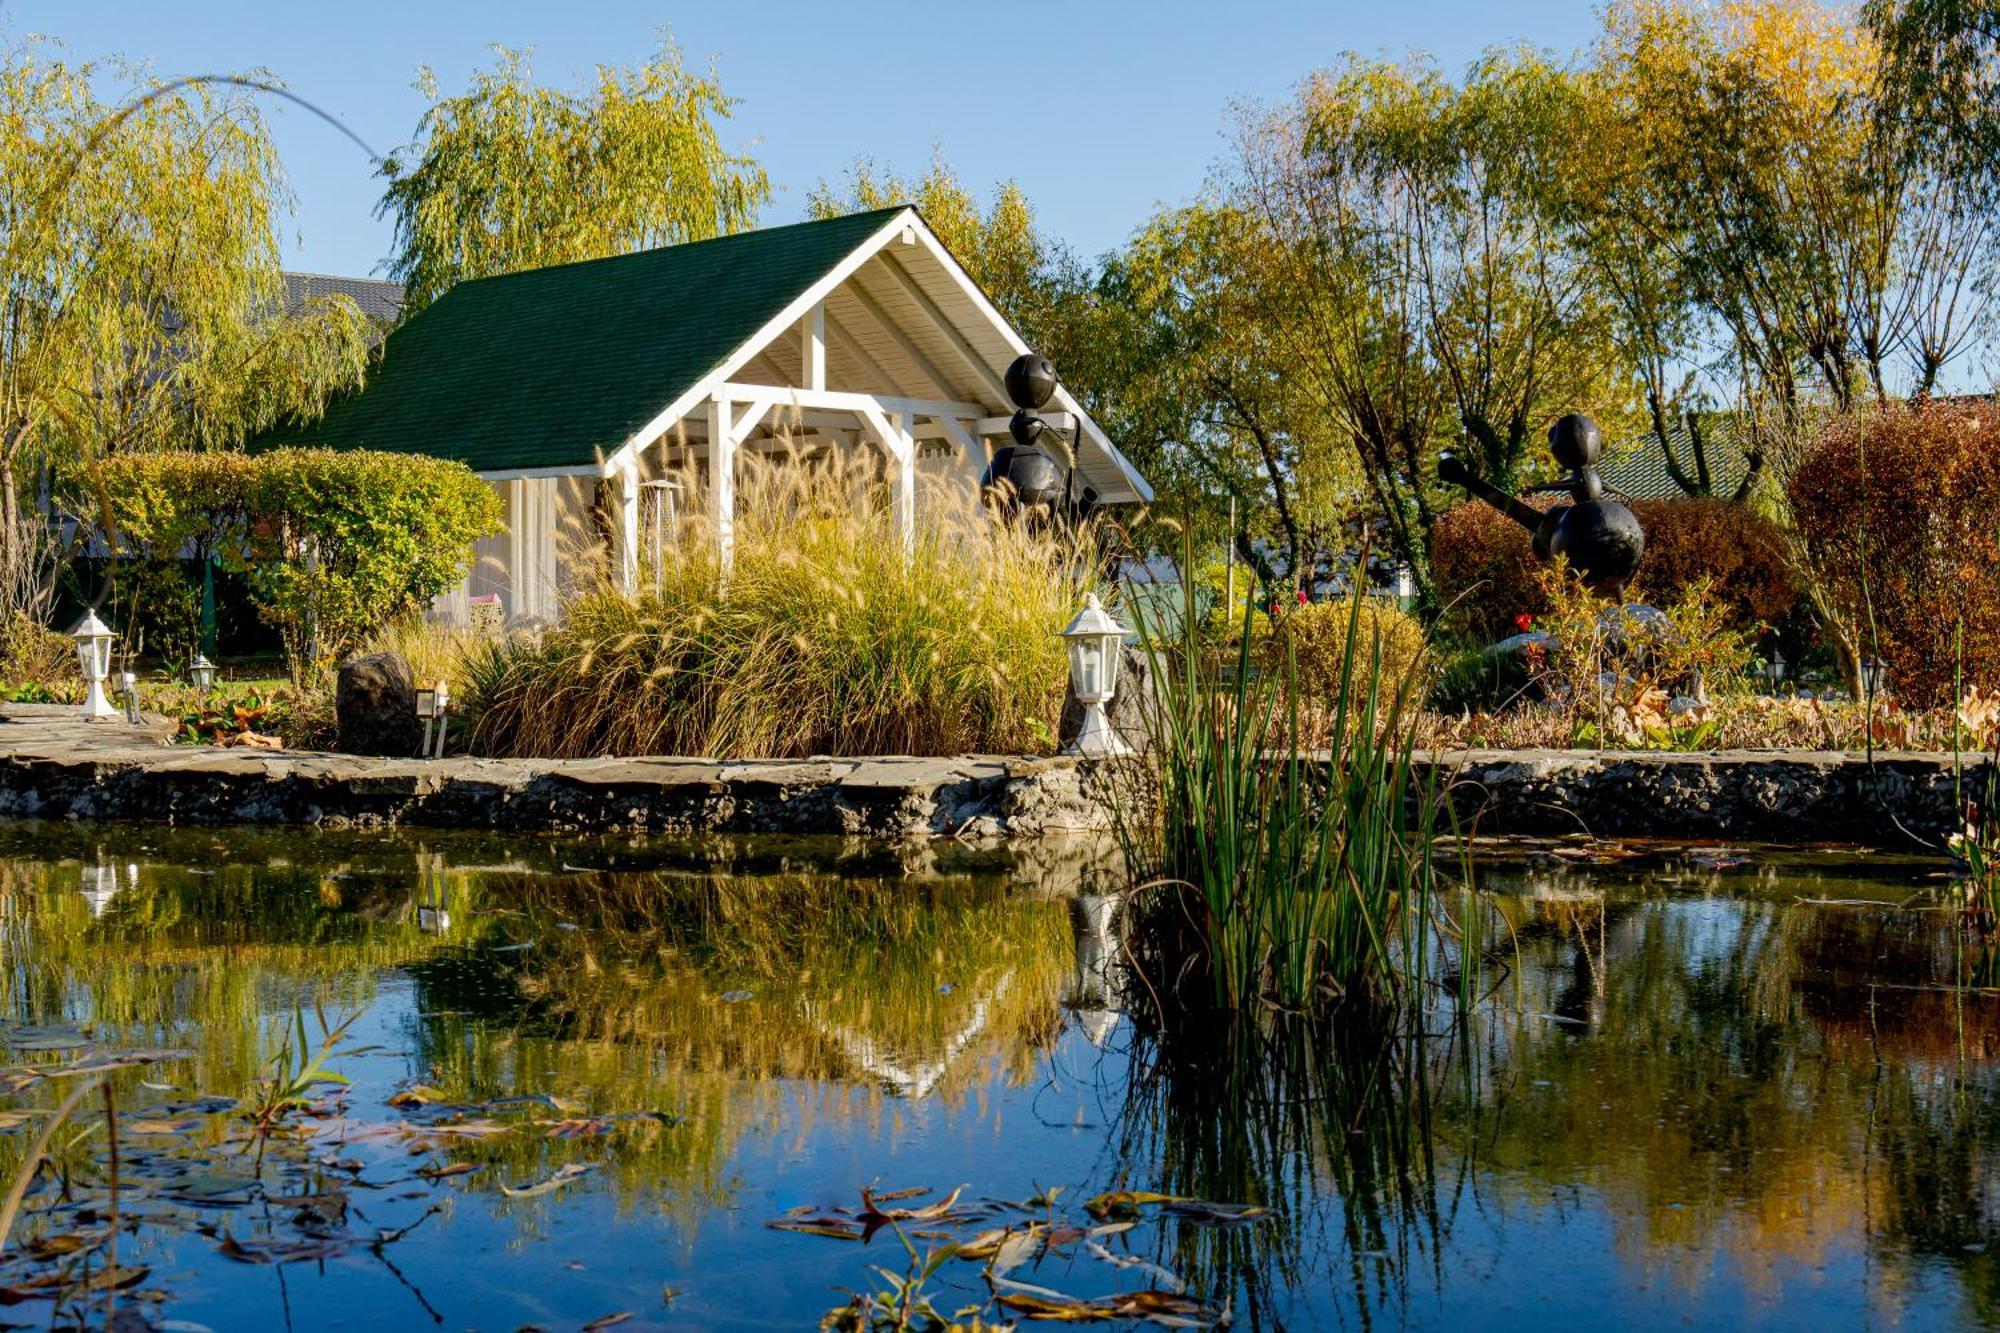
585	1077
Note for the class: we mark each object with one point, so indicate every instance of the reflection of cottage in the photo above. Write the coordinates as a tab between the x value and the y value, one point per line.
906	1077
101	883
569	388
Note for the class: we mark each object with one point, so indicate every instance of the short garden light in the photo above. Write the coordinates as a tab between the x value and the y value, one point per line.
432	705
1094	640
93	654
201	673
128	690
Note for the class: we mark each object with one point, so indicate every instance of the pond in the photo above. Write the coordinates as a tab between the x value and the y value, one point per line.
618	1084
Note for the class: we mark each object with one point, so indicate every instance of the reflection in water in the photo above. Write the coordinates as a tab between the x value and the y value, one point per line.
1750	1094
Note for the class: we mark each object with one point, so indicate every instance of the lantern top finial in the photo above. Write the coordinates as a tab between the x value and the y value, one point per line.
1092	621
90	627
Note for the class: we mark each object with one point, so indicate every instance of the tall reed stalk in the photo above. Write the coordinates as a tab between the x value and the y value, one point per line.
1290	877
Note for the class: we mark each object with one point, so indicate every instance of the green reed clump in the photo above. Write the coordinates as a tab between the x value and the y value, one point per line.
1289	876
825	637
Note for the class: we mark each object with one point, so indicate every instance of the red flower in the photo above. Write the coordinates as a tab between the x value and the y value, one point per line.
1302	596
1524	622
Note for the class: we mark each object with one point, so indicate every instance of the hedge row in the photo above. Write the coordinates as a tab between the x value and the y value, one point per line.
1486	569
334	543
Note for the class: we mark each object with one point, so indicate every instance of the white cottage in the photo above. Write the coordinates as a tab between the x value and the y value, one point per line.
569	388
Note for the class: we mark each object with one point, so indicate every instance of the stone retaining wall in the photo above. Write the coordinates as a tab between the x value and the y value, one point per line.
53	765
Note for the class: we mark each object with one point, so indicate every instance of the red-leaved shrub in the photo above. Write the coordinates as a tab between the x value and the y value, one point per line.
1899	510
1486	561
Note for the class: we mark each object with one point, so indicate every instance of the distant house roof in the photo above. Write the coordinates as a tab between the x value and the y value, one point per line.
380	301
562	368
1638	469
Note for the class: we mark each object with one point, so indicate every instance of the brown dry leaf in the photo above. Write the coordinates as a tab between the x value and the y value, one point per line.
452	1169
1125	1203
1052	1311
420	1095
565	1174
1217	1214
55	1247
833	1228
141	1126
606	1321
872	1212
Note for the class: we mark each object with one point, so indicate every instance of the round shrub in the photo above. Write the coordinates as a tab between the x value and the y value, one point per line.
1487	573
1316	636
1900	514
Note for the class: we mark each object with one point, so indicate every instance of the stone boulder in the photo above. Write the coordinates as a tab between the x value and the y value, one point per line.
1131	707
375	705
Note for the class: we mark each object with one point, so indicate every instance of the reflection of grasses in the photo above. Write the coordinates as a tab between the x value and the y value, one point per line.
1327	1122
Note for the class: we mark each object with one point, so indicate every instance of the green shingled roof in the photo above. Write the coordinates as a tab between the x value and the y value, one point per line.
554	367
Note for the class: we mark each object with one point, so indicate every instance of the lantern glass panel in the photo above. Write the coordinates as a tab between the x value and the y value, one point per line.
1085	663
1108	651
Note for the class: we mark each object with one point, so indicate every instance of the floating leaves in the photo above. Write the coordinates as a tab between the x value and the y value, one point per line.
1006	1249
568	1173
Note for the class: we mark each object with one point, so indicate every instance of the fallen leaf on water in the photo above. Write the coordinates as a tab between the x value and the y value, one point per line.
1125	1203
871	1211
117	1060
579	1128
42	1037
833	1228
420	1095
606	1321
1165	1280
54	1247
1217	1214
451	1169
564	1175
144	1126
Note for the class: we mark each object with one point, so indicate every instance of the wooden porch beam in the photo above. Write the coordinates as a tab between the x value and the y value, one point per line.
838	400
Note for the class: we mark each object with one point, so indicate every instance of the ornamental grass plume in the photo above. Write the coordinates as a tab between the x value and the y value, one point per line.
826	637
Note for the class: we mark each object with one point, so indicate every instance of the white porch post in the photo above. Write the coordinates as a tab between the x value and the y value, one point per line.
906	480
722	480
628	526
813	350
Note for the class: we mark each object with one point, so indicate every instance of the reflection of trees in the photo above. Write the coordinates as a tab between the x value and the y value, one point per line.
1758	1080
616	1008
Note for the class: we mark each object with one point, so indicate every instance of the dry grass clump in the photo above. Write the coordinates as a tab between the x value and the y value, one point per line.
1388	642
827	639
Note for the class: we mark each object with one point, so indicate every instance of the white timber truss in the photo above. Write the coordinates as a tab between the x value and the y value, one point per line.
895	347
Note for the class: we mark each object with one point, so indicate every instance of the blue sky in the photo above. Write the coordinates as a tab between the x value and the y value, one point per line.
1099	110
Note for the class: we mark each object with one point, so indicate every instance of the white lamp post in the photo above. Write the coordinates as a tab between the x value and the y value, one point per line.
201	673
93	654
128	689
1094	640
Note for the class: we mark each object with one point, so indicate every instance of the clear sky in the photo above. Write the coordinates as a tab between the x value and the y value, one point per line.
1100	110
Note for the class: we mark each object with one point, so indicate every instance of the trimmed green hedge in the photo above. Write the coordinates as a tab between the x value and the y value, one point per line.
335	543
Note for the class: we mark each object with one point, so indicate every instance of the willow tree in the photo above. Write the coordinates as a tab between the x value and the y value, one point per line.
1000	245
1827	255
511	175
141	302
1423	285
